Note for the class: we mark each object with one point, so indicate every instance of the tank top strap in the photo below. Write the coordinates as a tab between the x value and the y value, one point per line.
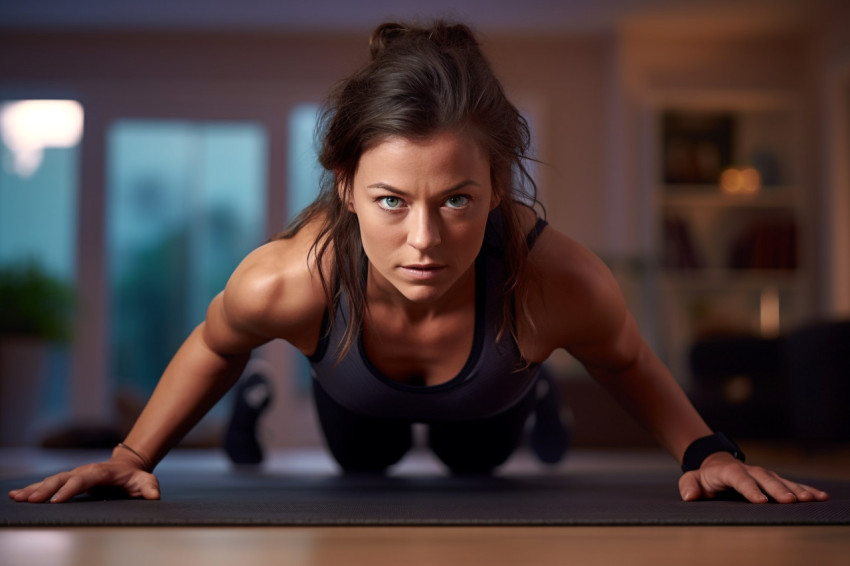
494	238
532	236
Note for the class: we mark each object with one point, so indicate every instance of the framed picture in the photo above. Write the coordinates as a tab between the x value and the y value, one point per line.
697	146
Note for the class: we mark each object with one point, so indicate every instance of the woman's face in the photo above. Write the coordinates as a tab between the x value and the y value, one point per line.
422	207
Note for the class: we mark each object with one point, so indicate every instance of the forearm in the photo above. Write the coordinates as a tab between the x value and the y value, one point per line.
195	379
648	391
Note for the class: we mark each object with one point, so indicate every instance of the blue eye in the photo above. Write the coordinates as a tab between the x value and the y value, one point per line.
389	202
457	201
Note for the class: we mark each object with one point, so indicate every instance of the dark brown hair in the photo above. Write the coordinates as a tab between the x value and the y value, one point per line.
418	82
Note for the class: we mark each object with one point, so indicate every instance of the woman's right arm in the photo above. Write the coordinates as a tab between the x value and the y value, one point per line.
194	380
247	314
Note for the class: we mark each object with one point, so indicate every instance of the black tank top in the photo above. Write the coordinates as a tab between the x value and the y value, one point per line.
494	378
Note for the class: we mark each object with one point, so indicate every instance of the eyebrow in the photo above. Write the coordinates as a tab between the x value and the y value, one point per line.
397	191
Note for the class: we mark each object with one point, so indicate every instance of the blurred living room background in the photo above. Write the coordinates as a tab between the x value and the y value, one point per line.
701	148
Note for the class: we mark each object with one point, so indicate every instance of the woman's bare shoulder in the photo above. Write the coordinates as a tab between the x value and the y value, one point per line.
559	256
276	291
573	296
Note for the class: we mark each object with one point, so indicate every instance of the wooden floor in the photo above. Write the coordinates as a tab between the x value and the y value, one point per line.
428	546
432	546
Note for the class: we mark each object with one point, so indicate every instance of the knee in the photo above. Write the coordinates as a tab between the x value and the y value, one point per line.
370	454
469	458
360	444
354	460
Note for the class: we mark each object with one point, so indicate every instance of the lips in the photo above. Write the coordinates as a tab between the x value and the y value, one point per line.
423	271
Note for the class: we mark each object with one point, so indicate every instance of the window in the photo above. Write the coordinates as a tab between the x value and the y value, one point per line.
38	228
186	202
304	179
304	168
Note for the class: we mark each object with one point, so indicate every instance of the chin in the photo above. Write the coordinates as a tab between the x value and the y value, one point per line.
423	294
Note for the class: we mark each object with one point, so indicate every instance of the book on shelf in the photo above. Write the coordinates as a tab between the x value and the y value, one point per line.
765	244
679	250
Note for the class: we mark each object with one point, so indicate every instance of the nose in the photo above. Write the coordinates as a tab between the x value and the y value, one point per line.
424	229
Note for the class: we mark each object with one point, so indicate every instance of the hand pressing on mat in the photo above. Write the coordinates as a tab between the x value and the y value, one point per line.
721	472
121	472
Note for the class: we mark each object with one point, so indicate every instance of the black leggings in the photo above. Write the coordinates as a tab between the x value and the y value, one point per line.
368	444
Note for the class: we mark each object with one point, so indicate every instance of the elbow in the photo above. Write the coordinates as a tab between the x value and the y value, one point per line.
621	364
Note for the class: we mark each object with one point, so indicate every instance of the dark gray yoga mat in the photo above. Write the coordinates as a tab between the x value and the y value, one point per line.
231	499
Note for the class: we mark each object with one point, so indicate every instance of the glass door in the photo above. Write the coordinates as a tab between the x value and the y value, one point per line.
186	201
40	150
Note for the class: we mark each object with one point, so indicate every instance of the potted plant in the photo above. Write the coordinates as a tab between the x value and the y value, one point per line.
34	304
35	315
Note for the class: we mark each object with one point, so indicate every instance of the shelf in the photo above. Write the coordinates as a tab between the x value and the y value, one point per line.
699	196
728	262
687	280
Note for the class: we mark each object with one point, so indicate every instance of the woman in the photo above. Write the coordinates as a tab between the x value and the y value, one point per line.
423	290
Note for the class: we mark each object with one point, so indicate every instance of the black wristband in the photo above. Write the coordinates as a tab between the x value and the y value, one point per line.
702	448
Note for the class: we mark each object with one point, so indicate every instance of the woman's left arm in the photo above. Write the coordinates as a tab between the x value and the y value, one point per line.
644	386
582	309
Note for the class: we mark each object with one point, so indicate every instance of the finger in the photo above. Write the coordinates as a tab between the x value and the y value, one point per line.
41	491
21	494
689	488
151	491
773	485
809	493
144	485
73	486
78	481
786	491
745	484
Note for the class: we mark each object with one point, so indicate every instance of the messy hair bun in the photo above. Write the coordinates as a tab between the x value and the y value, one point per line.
384	35
441	34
